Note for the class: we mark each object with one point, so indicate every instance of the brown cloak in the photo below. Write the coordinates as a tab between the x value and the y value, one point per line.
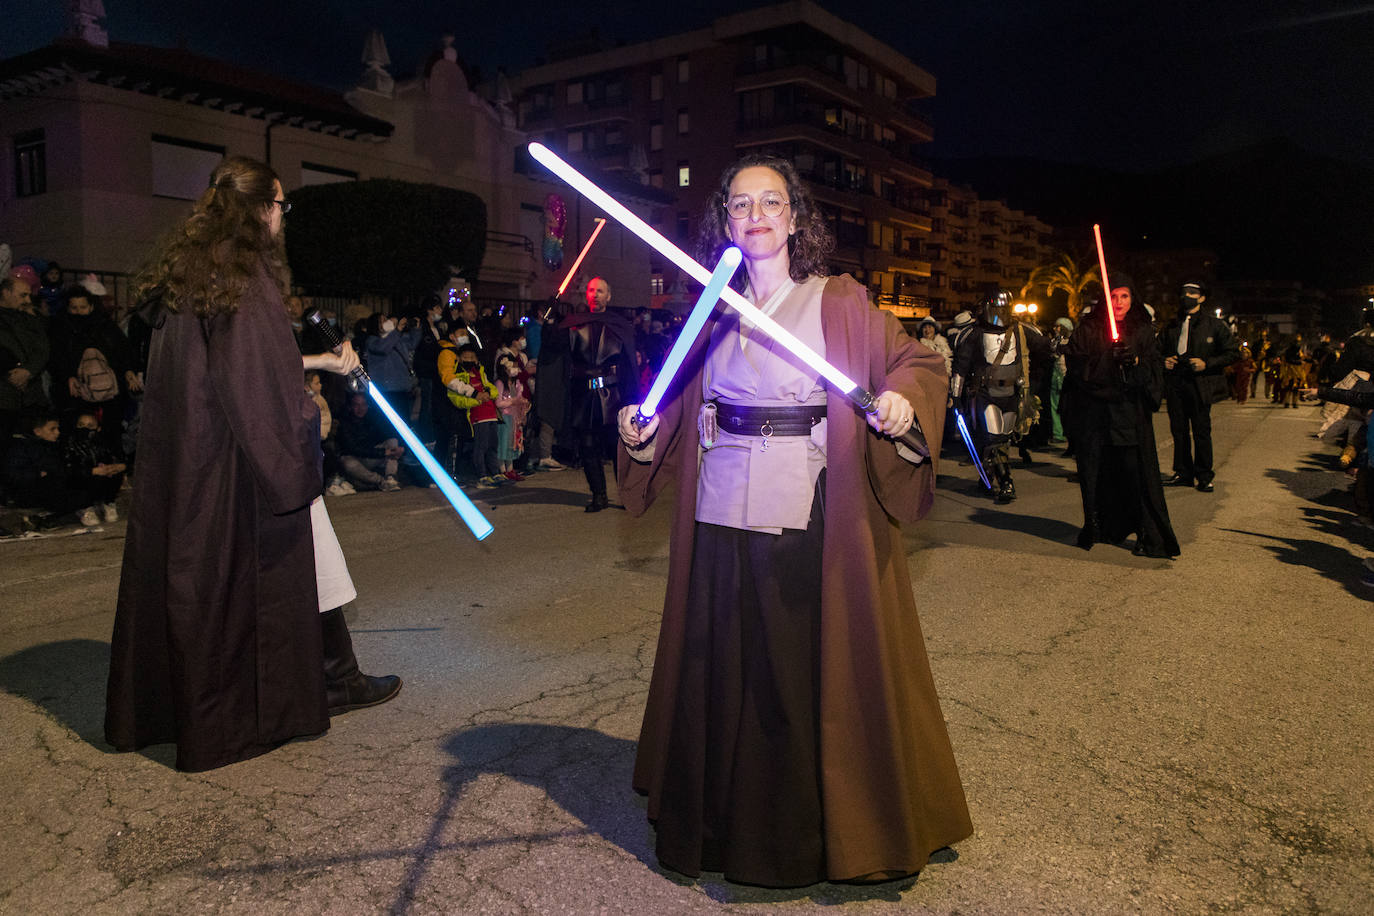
216	641
890	788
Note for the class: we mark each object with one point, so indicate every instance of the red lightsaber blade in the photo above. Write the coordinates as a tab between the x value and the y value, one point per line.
600	224
1106	284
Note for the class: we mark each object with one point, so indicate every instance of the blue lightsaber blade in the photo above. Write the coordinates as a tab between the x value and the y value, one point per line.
972	452
469	513
725	269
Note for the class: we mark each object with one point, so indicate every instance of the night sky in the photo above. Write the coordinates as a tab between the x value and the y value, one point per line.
1115	83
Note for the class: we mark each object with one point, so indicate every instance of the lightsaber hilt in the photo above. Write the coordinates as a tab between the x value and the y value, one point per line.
913	438
315	318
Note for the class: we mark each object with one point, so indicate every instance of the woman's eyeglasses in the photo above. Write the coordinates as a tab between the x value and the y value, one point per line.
740	207
285	206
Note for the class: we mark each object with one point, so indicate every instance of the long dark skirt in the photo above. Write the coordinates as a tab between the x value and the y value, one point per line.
742	792
1121	490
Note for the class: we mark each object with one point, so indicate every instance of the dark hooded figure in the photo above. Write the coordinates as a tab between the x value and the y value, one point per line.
1116	389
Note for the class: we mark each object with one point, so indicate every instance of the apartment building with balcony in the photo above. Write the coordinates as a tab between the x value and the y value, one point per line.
789	79
976	246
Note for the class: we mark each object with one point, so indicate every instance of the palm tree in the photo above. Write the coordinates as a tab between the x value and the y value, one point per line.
1075	281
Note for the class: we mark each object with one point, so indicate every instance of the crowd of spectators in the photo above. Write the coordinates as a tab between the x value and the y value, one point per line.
72	366
466	376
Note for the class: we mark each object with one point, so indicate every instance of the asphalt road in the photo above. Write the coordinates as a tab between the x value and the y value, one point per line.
1134	735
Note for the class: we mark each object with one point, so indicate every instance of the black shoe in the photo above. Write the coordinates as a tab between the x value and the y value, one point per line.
1087	537
346	687
1175	480
1156	553
1206	487
1005	494
598	502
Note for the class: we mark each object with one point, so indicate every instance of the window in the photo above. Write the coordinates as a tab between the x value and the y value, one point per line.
314	173
684	70
615	136
655	87
655	135
181	168
656	178
656	285
30	163
684	224
683	121
684	174
574	141
574	93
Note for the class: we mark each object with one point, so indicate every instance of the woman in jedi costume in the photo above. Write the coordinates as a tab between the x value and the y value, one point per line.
219	642
793	733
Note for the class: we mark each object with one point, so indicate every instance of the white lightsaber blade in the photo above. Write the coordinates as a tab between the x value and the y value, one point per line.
725	269
859	396
626	218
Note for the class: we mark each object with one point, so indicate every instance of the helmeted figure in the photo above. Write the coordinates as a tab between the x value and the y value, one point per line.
992	385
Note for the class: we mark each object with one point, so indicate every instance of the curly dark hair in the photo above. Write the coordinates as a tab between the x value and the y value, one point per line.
808	250
205	263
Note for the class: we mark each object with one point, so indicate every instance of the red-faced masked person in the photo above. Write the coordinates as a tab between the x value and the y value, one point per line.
793	733
1110	397
218	642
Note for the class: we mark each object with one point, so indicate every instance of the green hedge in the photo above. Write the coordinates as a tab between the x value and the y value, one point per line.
384	235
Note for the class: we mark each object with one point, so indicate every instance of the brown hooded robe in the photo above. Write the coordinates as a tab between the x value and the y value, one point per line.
216	641
890	788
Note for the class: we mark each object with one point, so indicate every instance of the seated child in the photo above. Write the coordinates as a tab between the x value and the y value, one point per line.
92	466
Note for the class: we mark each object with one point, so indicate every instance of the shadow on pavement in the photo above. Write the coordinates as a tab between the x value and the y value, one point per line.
523	493
67	680
1337	563
1049	529
587	774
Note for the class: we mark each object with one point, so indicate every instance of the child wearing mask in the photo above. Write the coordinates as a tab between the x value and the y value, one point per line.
37	478
513	400
93	467
470	391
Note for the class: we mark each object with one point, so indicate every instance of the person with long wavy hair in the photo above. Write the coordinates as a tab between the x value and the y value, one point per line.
217	642
792	732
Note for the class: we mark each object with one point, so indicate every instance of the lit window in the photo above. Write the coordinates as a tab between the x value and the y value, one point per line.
656	285
684	175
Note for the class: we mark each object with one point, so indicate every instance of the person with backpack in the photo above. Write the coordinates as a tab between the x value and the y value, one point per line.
90	364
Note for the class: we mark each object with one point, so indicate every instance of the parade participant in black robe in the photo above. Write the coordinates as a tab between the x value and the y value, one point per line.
1116	389
217	638
586	374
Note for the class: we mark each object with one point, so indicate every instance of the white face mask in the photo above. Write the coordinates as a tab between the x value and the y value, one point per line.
462	340
388	327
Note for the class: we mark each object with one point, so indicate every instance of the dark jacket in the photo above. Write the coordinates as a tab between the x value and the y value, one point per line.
27	461
23	344
1210	340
